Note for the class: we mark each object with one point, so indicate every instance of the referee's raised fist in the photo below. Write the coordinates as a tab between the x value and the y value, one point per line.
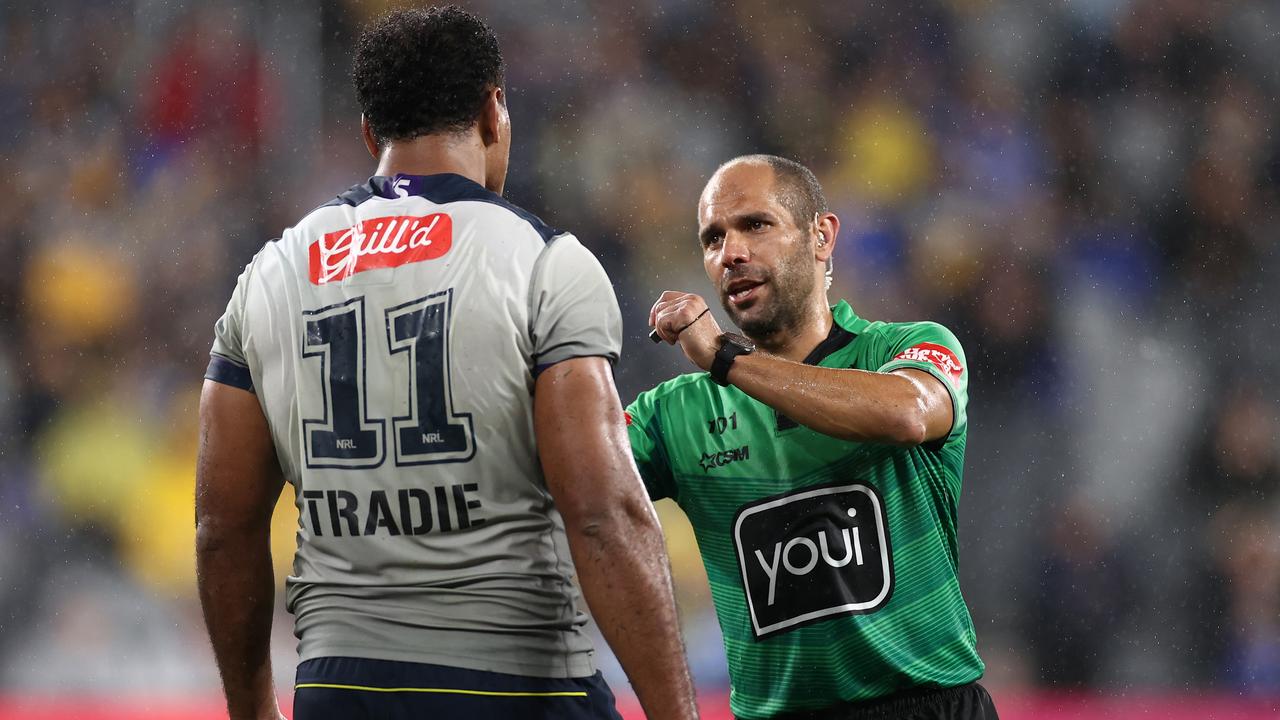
684	319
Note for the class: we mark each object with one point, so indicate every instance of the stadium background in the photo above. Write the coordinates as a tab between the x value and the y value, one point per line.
1085	191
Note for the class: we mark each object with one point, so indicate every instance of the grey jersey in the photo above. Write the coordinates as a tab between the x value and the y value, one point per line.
393	337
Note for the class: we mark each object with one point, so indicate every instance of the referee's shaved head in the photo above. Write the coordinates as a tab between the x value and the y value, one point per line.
794	185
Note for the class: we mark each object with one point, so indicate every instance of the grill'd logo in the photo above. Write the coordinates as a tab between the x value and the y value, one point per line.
384	242
936	355
813	554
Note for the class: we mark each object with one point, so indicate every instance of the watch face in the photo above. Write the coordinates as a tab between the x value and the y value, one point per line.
740	341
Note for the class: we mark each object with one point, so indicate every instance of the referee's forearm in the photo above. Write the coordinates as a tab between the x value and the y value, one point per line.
237	594
856	405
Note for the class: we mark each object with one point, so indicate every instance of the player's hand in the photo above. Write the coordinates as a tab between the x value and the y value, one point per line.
684	319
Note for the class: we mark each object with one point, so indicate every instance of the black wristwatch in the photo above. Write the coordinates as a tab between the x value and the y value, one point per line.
731	346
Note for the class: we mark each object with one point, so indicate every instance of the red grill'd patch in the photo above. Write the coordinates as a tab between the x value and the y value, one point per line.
384	242
936	355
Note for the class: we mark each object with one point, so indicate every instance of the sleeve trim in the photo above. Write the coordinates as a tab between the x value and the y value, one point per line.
226	371
569	352
540	368
946	382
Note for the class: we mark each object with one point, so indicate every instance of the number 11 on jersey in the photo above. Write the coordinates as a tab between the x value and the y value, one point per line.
348	435
432	432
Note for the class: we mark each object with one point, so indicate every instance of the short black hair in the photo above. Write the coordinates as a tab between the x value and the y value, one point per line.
419	72
796	186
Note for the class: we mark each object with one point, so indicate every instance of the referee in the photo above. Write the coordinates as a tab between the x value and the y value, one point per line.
819	460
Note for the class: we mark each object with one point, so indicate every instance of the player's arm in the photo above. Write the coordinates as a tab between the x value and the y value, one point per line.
238	481
903	407
613	531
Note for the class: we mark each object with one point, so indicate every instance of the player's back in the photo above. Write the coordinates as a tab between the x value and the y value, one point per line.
393	337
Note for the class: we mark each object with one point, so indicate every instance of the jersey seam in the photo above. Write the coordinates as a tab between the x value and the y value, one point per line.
551	234
533	285
566	592
250	274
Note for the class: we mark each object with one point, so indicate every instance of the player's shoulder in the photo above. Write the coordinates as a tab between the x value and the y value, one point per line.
262	256
442	189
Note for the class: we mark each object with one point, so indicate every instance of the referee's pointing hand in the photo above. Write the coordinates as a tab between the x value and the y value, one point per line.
684	318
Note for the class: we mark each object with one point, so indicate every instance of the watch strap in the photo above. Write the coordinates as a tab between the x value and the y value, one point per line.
728	352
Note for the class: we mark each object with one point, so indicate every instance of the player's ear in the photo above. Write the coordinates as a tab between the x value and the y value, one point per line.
370	142
828	225
493	117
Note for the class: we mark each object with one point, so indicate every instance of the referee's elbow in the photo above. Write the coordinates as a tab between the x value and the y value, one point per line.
909	427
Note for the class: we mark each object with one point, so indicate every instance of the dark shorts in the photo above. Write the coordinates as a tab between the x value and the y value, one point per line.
342	688
963	702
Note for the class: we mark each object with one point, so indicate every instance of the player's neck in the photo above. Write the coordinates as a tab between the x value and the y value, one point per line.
434	154
795	343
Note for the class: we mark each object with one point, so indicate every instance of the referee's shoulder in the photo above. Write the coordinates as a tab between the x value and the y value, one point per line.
897	329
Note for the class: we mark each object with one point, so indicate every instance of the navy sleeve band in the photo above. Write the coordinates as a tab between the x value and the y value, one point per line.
228	372
543	367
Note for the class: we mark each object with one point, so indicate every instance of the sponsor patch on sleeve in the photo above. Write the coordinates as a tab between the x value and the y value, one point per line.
627	415
936	355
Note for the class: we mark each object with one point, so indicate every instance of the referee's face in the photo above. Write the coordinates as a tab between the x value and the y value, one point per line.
762	264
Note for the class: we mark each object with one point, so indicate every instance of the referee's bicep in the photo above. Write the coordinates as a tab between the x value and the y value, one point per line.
936	397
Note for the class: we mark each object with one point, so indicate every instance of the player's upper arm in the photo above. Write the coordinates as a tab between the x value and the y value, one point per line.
582	440
238	478
931	356
573	311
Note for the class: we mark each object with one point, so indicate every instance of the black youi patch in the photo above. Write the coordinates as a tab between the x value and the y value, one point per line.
813	554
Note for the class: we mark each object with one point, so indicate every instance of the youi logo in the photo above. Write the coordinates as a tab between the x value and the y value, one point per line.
813	554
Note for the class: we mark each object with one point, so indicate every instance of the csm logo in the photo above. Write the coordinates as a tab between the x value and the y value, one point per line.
713	460
813	554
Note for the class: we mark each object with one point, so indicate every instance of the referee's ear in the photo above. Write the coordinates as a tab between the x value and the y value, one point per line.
370	142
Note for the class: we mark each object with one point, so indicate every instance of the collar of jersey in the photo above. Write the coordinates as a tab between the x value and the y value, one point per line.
844	316
845	326
440	188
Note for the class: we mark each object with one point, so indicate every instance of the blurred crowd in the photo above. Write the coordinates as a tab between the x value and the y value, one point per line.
1085	191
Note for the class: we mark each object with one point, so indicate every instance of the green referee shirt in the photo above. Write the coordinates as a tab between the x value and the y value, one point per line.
832	563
